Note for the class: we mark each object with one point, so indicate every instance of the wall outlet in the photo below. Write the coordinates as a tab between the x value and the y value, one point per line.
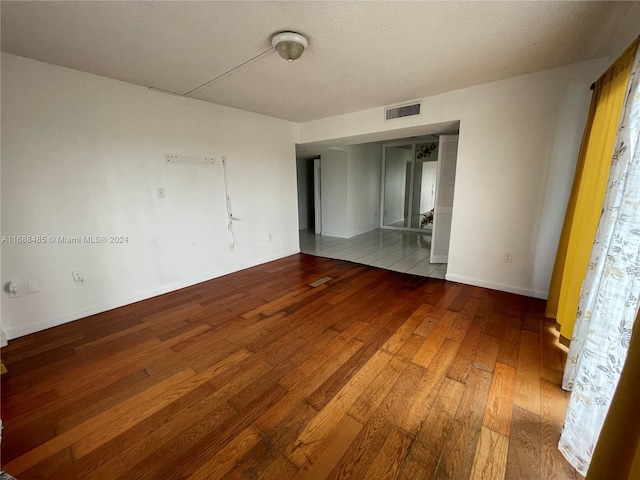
269	238
77	276
160	192
508	257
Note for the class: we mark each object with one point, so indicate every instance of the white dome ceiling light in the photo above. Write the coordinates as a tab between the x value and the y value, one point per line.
289	45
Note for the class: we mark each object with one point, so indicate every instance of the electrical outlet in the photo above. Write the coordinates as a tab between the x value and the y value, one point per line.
270	238
508	257
77	276
160	192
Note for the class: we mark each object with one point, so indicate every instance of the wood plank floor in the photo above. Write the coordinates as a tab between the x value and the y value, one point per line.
374	374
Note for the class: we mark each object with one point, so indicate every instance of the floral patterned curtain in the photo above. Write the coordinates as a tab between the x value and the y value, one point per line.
610	294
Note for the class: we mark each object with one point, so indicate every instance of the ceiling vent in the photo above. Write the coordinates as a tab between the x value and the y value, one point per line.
407	110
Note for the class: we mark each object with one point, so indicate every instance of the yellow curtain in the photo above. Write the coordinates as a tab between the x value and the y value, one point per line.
587	194
617	453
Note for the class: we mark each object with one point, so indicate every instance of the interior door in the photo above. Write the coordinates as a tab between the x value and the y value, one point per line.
445	183
317	197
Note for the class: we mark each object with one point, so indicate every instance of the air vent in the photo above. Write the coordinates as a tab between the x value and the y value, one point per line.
400	111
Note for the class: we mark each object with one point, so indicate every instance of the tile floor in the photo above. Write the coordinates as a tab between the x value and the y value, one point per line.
401	251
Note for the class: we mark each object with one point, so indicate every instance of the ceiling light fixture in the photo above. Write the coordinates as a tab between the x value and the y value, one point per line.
289	45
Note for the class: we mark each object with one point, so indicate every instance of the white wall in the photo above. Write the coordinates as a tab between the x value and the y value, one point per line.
333	185
519	140
350	185
363	188
83	155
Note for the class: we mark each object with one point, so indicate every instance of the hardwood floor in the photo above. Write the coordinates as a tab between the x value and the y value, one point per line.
374	374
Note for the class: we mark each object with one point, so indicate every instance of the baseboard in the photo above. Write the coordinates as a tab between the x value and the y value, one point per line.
346	237
13	333
333	235
496	286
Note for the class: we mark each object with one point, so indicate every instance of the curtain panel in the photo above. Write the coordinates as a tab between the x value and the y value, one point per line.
587	194
617	453
609	298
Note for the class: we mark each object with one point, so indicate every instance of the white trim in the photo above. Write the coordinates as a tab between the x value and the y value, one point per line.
452	277
333	235
13	333
346	237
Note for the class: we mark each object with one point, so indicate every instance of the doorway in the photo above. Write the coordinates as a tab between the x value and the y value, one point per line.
309	203
409	184
352	197
418	178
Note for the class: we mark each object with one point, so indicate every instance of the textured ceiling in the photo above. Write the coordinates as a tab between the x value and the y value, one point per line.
361	54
